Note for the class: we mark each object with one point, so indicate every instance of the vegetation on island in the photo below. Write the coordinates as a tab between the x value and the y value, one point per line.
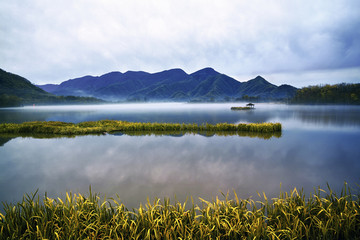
292	215
328	94
109	126
241	108
249	106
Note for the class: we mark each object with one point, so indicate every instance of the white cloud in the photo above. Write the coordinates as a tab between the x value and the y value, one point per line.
51	41
319	77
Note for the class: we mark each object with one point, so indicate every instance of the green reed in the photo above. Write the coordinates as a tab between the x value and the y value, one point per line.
241	108
323	215
98	127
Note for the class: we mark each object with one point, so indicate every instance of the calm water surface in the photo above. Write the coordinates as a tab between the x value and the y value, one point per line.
319	145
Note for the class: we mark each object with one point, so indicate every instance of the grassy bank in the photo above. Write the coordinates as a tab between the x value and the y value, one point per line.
98	127
290	216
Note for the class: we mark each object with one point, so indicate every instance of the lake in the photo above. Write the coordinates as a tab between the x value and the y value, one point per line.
318	145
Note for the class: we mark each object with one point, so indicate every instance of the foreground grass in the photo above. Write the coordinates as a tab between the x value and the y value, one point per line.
98	127
290	216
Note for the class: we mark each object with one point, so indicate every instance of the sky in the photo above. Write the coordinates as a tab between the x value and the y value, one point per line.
296	42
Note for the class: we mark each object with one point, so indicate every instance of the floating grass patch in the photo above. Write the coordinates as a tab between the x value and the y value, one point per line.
98	127
241	108
323	215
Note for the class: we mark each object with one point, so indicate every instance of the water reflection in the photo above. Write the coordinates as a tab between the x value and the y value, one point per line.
137	167
340	116
6	137
333	116
4	140
319	144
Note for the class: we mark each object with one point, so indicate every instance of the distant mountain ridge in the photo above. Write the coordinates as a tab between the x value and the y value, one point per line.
170	85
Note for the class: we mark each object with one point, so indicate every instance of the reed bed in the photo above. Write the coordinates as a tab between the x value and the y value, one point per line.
98	127
323	215
241	108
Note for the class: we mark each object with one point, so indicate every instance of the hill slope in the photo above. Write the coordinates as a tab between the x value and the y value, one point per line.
16	91
170	85
13	84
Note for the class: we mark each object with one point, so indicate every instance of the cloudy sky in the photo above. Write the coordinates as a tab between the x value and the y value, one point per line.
299	42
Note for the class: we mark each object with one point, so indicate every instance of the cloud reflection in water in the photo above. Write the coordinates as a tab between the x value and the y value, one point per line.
141	166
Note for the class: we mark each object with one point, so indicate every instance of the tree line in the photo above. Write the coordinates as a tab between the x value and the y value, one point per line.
328	94
7	100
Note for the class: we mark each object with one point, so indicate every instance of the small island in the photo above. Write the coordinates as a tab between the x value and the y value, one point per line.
108	126
249	106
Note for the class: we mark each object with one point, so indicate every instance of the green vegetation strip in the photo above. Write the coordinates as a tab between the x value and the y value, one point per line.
96	127
241	108
290	216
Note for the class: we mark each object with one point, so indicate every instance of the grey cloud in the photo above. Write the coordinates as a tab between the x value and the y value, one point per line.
54	41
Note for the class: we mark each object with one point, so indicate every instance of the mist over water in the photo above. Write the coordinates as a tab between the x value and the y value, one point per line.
319	145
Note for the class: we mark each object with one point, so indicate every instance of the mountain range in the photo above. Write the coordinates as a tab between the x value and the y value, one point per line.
170	85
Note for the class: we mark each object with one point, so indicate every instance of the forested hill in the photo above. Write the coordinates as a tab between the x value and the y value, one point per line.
13	84
17	91
329	94
205	85
170	85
